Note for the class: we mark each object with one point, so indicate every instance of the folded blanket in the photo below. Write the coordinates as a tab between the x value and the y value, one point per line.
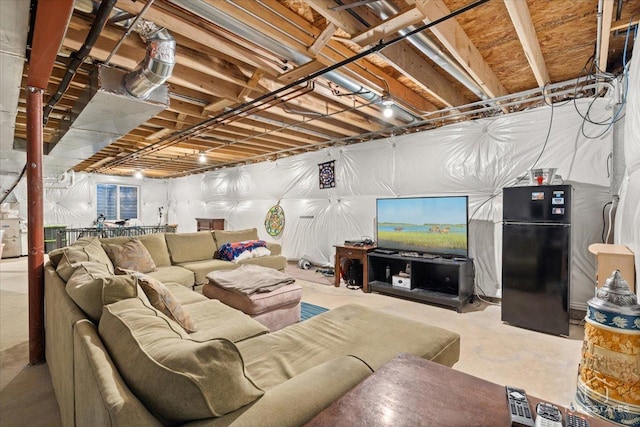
248	279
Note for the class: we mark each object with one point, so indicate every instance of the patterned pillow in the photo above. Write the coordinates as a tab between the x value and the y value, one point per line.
132	255
162	299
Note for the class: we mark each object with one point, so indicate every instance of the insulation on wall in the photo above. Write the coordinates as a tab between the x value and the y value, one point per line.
476	158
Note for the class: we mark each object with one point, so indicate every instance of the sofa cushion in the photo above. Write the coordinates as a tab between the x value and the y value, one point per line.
217	320
92	285
202	268
197	380
347	330
82	251
155	244
56	254
131	255
188	247
174	274
226	236
184	295
277	262
162	299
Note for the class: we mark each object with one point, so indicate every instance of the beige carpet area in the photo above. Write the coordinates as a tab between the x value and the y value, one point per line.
544	365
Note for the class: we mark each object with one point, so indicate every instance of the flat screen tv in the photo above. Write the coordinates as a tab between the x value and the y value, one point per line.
434	225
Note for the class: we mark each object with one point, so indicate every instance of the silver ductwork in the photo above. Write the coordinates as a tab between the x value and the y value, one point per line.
104	113
158	63
115	102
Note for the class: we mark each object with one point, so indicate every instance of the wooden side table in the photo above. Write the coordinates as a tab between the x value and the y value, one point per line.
210	224
354	252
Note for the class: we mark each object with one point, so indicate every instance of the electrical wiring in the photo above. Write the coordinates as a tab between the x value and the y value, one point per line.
592	71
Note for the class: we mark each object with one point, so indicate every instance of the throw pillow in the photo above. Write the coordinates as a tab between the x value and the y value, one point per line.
82	251
92	285
132	255
162	299
176	378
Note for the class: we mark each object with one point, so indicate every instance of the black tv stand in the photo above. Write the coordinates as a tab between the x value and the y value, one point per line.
440	281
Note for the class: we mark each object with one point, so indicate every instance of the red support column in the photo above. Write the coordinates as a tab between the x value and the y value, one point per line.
35	213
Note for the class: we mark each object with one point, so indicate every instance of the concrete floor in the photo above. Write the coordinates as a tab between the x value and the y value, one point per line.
545	366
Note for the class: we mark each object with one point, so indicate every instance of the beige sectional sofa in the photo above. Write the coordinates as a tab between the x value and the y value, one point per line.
133	365
186	258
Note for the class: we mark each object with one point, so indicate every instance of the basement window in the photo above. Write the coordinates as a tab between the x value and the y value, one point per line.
116	201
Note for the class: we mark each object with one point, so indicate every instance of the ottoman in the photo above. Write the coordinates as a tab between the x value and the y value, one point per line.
275	306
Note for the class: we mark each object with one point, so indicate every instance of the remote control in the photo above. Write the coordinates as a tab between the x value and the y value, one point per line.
519	408
548	415
575	420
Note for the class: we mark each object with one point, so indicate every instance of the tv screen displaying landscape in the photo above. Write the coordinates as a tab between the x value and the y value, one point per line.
436	225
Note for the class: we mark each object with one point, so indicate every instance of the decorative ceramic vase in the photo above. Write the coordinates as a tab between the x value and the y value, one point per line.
609	373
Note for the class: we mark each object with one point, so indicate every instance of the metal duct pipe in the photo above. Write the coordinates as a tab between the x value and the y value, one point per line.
158	63
225	21
428	47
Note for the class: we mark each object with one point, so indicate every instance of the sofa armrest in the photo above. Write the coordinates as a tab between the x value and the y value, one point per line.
298	400
275	248
102	397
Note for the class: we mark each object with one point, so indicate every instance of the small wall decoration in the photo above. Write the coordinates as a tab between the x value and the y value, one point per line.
327	174
274	221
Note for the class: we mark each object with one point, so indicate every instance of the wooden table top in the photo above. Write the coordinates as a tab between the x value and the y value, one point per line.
411	391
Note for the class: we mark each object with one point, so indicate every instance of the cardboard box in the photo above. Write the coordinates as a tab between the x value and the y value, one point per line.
401	282
613	257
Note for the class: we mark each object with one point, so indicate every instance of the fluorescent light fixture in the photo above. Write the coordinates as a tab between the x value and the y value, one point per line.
202	158
138	174
388	111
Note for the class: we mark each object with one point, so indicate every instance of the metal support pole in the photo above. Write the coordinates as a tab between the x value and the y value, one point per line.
35	214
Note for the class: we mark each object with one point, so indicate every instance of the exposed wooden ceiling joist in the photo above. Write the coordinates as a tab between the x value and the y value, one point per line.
222	70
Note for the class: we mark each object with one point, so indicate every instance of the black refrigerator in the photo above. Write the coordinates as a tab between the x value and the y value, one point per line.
536	257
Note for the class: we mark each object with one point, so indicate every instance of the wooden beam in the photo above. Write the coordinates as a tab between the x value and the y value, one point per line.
408	62
388	27
252	83
605	34
624	24
454	38
302	71
187	29
341	19
521	19
322	39
159	134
